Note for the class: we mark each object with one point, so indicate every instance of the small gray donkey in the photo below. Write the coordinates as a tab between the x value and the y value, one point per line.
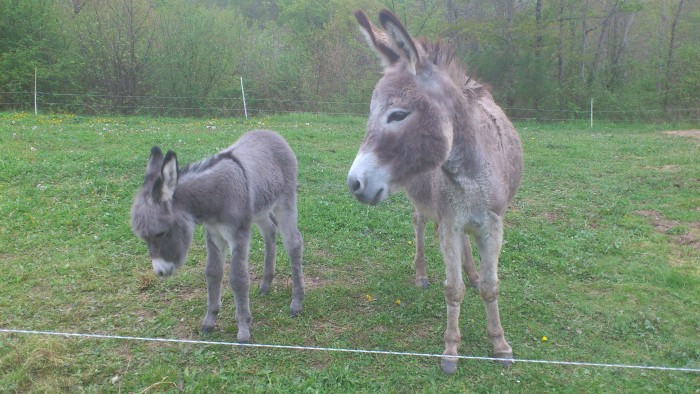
253	181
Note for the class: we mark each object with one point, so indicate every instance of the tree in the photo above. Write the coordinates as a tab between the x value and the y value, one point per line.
117	39
197	54
669	59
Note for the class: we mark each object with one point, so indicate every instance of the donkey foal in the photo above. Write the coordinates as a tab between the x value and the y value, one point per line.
253	181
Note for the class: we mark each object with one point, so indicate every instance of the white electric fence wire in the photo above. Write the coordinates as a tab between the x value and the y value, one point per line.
343	350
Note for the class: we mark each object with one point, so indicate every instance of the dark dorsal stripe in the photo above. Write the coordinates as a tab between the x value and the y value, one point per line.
204	165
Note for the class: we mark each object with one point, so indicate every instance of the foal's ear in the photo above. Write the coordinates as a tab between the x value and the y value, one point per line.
155	162
399	40
168	175
376	39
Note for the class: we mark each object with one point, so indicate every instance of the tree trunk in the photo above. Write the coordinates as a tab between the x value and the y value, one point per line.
599	48
669	61
661	34
560	54
508	9
584	28
538	27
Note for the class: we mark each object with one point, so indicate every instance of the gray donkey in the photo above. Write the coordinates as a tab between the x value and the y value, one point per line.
253	181
440	136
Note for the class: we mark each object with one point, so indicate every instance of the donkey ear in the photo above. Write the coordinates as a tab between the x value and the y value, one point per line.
155	163
168	176
399	39
376	39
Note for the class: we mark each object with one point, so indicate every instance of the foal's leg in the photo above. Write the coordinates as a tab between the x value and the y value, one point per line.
468	263
239	280
216	254
268	228
454	292
489	240
419	222
286	214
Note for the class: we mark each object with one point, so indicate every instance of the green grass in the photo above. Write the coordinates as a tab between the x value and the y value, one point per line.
581	266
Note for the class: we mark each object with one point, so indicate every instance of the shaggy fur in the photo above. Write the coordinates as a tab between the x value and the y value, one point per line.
438	134
253	181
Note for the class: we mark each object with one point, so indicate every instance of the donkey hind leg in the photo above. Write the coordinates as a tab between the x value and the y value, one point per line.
489	240
468	263
454	293
216	255
268	228
286	214
419	222
239	280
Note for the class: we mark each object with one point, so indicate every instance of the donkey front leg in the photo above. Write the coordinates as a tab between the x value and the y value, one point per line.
216	254
419	222
239	280
489	240
454	294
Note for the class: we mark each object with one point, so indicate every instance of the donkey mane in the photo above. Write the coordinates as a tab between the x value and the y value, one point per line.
206	164
444	57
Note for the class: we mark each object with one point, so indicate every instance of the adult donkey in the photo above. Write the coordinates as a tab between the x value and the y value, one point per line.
253	181
440	136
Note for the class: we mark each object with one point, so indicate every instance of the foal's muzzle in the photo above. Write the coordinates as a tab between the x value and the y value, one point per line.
163	268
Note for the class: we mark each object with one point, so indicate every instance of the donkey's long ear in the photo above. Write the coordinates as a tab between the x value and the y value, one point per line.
168	177
376	39
155	163
399	39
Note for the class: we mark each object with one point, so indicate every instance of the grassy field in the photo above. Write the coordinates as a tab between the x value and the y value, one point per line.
602	257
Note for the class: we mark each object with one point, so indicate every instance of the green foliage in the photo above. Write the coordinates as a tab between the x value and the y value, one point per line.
185	58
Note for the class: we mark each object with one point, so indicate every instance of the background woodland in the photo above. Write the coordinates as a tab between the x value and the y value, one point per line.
543	59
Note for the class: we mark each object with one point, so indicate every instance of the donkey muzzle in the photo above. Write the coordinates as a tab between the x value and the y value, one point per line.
163	268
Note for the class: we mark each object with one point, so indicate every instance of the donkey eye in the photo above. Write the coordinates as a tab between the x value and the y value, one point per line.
397	116
161	235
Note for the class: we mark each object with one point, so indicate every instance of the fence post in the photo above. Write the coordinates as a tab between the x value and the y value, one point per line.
245	109
36	108
591	113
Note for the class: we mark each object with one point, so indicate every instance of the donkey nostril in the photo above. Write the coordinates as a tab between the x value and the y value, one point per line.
355	186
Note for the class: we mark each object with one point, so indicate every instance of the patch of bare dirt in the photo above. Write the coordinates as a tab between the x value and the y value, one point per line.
690	238
550	216
684	133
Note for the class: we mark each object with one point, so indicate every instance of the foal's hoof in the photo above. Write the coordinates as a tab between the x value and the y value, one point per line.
294	312
448	366
295	309
264	289
422	283
505	359
207	330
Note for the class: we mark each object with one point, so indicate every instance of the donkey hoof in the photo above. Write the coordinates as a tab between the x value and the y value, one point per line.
422	283
505	359
264	289
207	330
294	312
448	366
243	338
295	308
